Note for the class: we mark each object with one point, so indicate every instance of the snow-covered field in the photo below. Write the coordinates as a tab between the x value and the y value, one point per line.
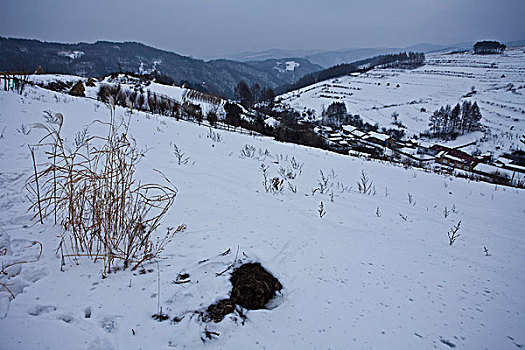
375	272
499	82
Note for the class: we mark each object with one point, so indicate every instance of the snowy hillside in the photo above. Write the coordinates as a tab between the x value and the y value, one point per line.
498	82
359	270
175	93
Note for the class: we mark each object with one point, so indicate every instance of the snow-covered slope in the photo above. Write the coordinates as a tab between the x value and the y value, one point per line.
174	93
499	82
375	272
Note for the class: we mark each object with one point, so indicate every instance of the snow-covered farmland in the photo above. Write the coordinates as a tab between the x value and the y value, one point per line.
498	82
376	271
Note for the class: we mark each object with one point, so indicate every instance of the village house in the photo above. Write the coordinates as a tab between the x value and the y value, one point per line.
378	138
454	158
424	147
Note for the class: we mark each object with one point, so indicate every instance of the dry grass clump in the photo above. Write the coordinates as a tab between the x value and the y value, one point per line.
90	189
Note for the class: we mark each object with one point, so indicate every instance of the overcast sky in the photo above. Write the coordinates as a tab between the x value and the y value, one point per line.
204	28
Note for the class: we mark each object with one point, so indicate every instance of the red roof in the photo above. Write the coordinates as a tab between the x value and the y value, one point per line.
464	157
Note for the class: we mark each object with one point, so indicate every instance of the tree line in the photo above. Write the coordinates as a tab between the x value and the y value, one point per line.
488	47
408	60
448	122
248	96
150	102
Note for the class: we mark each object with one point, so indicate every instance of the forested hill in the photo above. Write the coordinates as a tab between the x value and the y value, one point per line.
103	57
402	60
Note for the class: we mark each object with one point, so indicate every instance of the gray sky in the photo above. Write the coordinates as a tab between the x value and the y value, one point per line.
216	27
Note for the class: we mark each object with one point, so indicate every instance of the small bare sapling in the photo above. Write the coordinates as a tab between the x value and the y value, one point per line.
23	129
321	210
214	136
364	185
453	234
179	155
248	151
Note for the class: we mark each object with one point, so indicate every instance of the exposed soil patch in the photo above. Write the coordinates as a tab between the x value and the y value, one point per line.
216	312
252	288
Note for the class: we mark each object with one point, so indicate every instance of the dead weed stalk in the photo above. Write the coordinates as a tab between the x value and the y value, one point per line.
92	192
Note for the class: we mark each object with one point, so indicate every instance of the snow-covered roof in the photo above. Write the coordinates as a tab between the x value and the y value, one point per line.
378	135
271	122
504	160
516	167
425	144
492	169
358	133
348	128
448	156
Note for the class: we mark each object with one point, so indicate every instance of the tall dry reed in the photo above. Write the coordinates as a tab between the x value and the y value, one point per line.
91	191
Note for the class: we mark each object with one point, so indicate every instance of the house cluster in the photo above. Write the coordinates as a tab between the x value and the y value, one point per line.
483	164
357	142
350	138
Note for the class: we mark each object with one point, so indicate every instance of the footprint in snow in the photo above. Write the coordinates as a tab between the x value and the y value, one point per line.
109	324
38	310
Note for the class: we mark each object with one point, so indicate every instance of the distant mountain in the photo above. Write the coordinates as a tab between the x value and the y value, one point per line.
271	54
515	43
103	57
327	59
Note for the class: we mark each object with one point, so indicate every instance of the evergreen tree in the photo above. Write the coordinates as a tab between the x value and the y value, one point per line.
454	118
434	122
465	117
268	96
233	114
256	93
212	117
475	117
445	123
140	101
243	93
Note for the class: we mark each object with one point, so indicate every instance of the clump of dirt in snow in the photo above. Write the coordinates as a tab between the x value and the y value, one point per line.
216	312
252	288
